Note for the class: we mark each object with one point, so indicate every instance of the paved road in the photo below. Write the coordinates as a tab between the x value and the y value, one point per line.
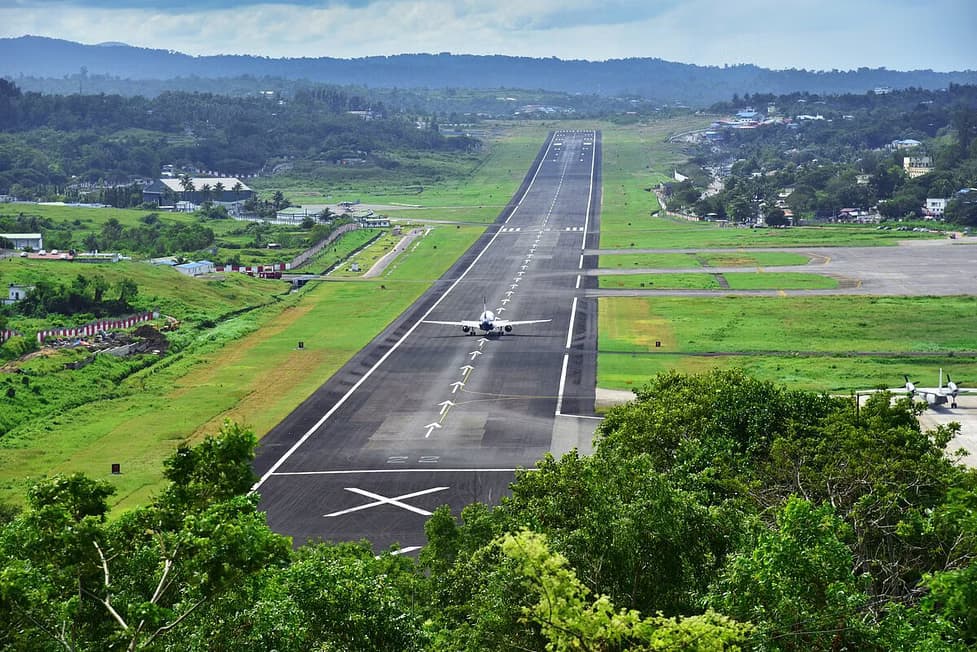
915	268
427	415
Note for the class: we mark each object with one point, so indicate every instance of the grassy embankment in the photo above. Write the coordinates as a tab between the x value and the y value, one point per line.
807	342
247	367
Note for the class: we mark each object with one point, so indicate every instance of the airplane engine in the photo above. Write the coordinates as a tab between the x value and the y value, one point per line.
508	329
465	329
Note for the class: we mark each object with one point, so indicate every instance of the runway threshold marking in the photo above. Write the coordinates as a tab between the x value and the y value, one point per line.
383	500
342	401
375	471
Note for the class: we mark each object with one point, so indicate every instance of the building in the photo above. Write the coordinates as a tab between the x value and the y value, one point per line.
24	240
169	191
905	143
197	268
935	207
17	292
917	166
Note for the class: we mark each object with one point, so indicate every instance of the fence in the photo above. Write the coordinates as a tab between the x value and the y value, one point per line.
94	327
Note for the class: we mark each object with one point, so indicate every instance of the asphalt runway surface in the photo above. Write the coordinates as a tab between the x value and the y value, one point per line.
427	415
914	268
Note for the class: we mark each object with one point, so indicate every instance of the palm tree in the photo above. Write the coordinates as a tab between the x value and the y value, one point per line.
186	182
205	192
219	191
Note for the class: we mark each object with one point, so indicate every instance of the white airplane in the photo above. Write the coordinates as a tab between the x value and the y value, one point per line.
487	323
936	395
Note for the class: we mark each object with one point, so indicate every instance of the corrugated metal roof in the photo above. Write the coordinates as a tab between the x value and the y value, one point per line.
199	182
20	236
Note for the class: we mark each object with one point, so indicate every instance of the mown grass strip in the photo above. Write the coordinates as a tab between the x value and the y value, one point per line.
734	281
831	343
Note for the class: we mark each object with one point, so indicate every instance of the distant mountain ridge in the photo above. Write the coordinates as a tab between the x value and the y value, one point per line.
656	79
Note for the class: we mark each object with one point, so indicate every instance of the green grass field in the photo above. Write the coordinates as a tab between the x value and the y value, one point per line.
832	343
468	188
704	259
735	281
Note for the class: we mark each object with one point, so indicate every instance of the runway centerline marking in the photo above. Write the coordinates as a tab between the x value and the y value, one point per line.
383	500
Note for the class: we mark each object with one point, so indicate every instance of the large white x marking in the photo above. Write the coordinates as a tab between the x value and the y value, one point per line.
383	500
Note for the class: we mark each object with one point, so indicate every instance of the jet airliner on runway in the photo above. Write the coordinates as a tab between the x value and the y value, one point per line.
487	322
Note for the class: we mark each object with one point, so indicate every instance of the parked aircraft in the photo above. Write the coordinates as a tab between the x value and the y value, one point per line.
487	322
940	395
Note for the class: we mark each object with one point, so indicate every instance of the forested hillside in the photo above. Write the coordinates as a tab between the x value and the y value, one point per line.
50	141
662	81
717	513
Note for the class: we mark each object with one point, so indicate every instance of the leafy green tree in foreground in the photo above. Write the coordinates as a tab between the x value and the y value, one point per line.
570	620
72	579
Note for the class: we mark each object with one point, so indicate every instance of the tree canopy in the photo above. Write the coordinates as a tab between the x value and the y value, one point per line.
717	512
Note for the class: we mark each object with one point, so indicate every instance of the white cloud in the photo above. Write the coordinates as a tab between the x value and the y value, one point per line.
823	35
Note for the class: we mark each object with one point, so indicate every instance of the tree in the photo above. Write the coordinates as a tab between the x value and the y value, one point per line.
777	217
72	578
279	202
570	620
127	291
186	182
796	583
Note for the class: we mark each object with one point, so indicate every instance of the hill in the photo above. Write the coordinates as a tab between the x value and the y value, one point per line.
656	79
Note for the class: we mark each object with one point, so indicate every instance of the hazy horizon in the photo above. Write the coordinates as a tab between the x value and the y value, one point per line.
831	35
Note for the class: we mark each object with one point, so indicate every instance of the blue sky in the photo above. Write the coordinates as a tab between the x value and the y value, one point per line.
822	35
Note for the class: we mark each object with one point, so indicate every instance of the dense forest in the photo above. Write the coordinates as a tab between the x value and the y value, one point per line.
716	513
664	82
50	141
840	156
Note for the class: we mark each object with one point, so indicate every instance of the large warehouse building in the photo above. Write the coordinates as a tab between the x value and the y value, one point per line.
221	190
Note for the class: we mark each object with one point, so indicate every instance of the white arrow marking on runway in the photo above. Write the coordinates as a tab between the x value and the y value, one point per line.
430	428
514	286
529	255
524	267
467	369
481	342
474	354
509	293
502	309
445	406
455	385
383	500
505	301
518	274
403	551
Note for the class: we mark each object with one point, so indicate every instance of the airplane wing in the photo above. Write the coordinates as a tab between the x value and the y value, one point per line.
464	323
502	323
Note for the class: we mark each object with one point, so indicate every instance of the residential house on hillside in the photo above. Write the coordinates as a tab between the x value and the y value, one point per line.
16	292
196	268
935	207
917	166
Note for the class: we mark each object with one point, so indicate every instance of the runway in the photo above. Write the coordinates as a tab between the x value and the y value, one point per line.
427	415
